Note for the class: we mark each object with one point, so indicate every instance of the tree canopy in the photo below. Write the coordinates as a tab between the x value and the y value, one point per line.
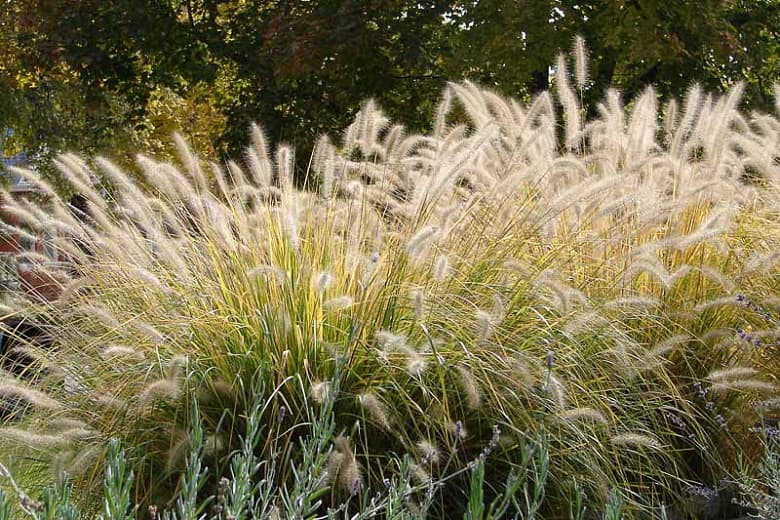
110	76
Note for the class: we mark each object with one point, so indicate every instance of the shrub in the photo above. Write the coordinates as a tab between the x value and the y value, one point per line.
484	275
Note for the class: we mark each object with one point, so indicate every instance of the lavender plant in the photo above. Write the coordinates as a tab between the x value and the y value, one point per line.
759	484
316	470
117	485
758	478
528	481
246	492
188	507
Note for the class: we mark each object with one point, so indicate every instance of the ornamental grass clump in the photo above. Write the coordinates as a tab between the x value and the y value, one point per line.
483	275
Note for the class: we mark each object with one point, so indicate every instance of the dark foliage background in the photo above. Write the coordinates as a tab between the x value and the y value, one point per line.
115	77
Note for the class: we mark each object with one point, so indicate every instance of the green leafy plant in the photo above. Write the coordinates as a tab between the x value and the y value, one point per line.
117	485
5	506
758	474
531	471
614	506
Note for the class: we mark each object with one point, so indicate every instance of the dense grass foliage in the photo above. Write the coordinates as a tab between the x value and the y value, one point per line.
515	275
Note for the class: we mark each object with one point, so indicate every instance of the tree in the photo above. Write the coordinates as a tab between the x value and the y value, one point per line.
305	67
84	75
97	76
633	43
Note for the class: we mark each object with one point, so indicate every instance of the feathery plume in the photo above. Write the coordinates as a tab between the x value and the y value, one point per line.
513	264
219	177
441	268
392	143
109	402
348	469
776	93
177	367
636	302
442	110
458	430
691	109
191	162
22	235
122	352
421	241
418	301
555	388
67	423
716	334
653	266
416	364
34	179
319	391
322	282
84	461
637	440
376	410
670	120
101	315
725	301
499	309
30	439
10	390
571	108
290	222
276	274
664	347
561	296
748	385
324	164
338	303
582	414
762	262
642	127
85	188
236	174
214	444
730	373
486	325
165	390
580	53
587	321
284	167
22	216
258	140
333	465
259	168
149	332
718	277
422	477
391	342
525	378
257	158
470	387
429	453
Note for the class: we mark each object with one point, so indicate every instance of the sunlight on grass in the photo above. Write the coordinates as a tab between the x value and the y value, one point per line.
483	278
